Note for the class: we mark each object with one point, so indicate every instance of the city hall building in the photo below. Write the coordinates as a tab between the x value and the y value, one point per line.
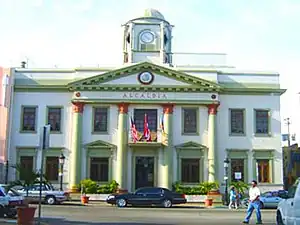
197	116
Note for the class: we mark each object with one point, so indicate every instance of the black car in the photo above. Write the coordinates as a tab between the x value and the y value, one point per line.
147	196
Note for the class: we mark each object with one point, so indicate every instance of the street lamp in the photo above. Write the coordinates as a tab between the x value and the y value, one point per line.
61	172
226	164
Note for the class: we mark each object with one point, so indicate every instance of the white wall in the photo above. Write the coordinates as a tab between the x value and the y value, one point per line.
249	141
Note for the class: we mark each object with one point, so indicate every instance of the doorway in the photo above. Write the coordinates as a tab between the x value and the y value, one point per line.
144	171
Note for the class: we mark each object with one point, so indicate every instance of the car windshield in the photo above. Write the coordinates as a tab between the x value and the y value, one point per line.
11	191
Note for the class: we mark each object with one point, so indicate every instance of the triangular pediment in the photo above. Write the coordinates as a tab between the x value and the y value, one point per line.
127	78
100	144
191	144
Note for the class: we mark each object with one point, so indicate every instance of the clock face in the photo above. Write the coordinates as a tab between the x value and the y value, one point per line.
146	78
147	37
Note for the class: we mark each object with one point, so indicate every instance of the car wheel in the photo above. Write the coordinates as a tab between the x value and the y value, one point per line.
279	218
121	202
167	203
50	200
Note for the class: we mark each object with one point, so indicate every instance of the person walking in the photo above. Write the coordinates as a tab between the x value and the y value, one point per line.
233	198
254	203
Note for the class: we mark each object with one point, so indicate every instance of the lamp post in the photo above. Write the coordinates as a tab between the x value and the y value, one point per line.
61	171
226	164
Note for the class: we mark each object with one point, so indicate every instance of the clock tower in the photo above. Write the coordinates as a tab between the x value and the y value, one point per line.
148	38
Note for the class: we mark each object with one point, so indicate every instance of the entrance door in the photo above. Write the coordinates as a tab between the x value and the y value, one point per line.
144	171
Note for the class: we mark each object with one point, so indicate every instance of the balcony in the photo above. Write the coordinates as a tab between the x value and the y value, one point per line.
156	139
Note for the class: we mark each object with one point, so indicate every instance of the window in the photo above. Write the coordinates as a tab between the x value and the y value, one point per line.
190	170
237	166
139	119
261	121
54	119
100	119
52	164
263	171
237	121
29	119
26	163
190	120
99	169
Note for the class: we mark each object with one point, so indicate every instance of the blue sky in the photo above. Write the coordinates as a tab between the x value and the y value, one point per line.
258	35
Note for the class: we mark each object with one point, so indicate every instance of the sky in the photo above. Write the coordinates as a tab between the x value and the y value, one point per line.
256	35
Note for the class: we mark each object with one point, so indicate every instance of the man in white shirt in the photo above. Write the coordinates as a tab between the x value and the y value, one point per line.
254	203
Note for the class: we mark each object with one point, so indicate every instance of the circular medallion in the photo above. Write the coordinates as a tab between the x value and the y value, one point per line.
146	78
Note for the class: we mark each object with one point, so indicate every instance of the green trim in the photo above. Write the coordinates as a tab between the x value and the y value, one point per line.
252	91
22	116
190	145
107	122
124	72
100	153
144	153
145	144
265	154
137	101
61	117
99	144
244	123
190	153
238	154
40	88
269	134
183	119
25	151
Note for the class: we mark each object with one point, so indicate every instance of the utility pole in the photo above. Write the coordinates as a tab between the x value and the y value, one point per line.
288	123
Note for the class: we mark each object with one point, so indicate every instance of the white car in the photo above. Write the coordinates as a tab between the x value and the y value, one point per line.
288	210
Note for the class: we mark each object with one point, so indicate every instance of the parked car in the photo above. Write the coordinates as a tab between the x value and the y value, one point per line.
147	196
14	199
50	195
288	210
269	199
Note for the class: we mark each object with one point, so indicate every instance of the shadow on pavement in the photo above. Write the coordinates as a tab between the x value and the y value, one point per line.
67	222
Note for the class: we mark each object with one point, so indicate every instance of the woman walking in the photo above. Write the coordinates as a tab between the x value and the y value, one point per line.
233	198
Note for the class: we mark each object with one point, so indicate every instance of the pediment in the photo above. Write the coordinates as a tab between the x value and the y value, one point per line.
100	144
127	78
190	144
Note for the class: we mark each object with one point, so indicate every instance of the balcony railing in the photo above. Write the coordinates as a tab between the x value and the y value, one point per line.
156	136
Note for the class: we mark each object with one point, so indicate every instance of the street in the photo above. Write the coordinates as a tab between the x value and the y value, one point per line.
111	215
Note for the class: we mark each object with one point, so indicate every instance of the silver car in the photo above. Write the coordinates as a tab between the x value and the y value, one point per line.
50	196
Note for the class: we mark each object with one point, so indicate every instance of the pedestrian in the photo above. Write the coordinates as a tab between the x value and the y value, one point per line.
233	198
254	203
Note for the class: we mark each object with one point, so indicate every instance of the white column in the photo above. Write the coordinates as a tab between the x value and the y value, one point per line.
250	166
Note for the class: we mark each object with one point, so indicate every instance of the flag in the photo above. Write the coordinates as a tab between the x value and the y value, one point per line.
134	134
162	125
147	133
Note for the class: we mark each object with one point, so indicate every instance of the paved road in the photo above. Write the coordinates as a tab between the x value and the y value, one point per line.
110	215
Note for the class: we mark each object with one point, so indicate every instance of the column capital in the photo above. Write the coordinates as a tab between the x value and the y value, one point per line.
213	109
78	107
123	107
168	108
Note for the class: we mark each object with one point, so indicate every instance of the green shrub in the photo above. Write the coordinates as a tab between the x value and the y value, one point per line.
88	186
92	187
200	189
240	186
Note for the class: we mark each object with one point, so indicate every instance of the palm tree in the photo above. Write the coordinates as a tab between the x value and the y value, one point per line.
28	176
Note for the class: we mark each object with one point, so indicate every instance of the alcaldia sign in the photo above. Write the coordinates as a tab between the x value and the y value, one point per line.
144	95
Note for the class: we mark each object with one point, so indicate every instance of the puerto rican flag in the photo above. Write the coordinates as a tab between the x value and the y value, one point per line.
147	133
134	133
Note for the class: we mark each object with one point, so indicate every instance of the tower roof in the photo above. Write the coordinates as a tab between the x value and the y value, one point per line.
153	13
